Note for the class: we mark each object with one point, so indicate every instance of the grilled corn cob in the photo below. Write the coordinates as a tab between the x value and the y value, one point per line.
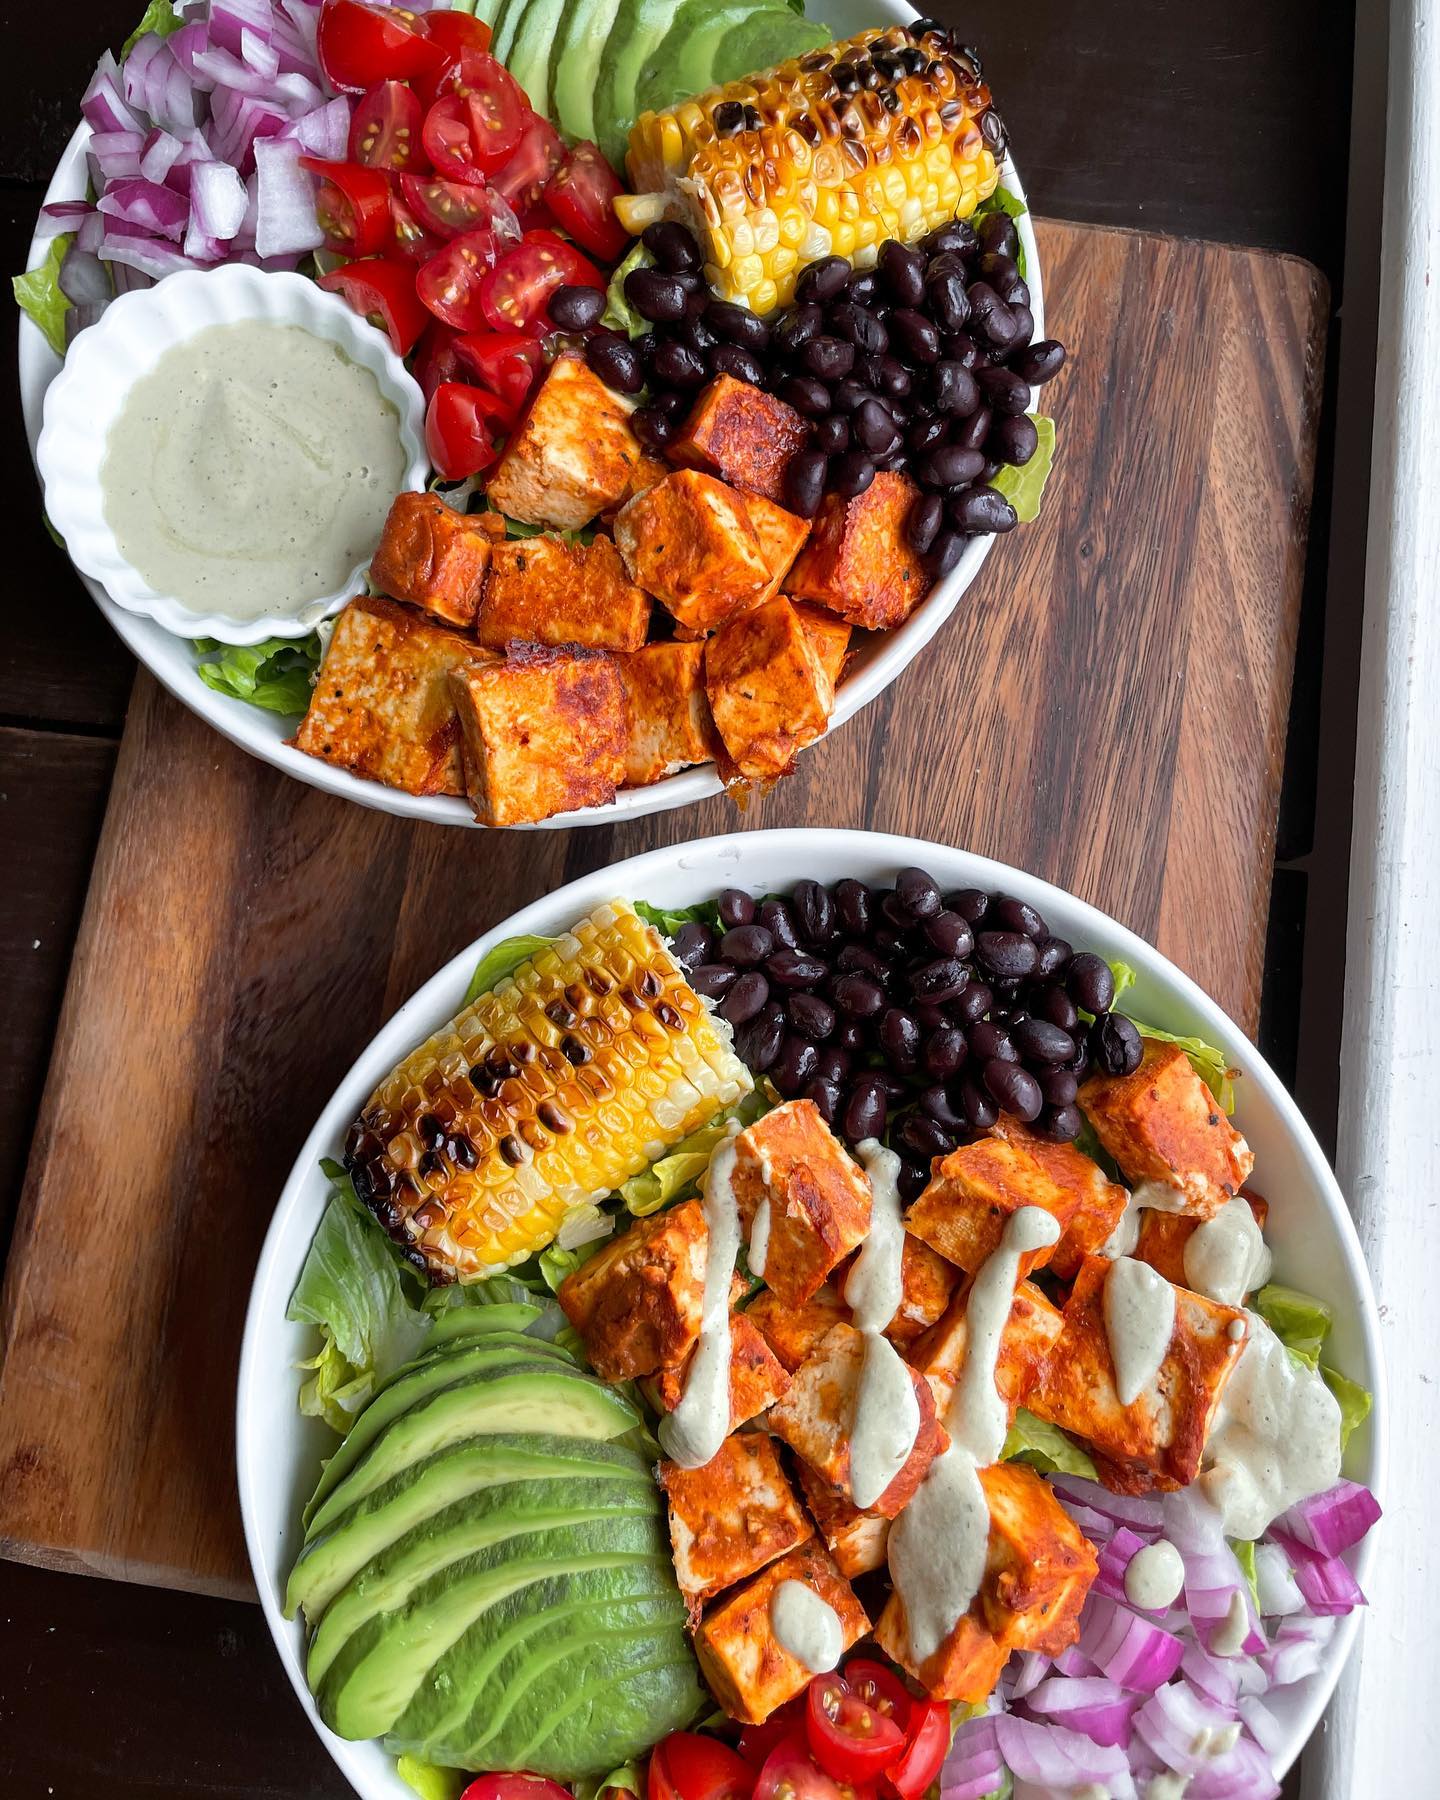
573	1074
887	134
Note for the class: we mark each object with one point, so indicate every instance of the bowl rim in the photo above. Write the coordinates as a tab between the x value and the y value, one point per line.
713	859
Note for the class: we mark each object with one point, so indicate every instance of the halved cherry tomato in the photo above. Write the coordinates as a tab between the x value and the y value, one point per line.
458	429
470	136
879	1686
849	1739
791	1773
382	291
757	1741
506	362
515	295
689	1766
579	196
437	359
515	1787
385	130
927	1741
352	206
359	44
523	180
461	37
448	208
451	282
408	237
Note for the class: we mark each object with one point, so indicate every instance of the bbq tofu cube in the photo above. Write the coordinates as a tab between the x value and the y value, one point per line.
927	1282
1100	1201
1163	1124
1155	1442
434	556
972	1193
544	731
793	1330
1164	1235
858	562
829	635
748	1671
769	692
757	1378
780	535
731	1517
1025	1345
670	723
382	704
743	434
818	1199
816	1417
855	1536
965	1667
573	455
689	541
637	1302
541	590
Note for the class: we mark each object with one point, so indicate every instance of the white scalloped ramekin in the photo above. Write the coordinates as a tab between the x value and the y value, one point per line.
105	362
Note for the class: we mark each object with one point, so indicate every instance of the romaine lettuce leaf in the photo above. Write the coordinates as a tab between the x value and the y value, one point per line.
1355	1401
503	959
39	295
1209	1063
619	314
160	17
277	673
1023	487
556	1263
1245	1555
430	1781
624	1780
1046	1448
510	1289
668	920
1300	1321
676	1175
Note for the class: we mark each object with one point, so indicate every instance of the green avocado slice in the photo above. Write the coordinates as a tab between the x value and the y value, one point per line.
529	57
520	1344
478	1321
771	37
616	1714
638	28
584	31
503	29
682	63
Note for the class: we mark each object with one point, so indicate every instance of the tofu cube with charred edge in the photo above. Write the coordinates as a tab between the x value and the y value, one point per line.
1038	1570
670	723
769	692
780	535
927	1282
816	1419
858	562
573	455
972	1193
1156	1442
1163	1124
829	635
1026	1343
689	541
544	731
757	1378
818	1198
793	1329
731	1517
637	1303
435	557
857	1537
541	590
748	1671
382	705
1101	1202
743	434
1164	1235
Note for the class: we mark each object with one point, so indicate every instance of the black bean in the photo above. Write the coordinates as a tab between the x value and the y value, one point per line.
997	268
944	1052
779	921
858	326
990	471
805	482
865	1109
1039	362
677	365
971	433
1089	982
1115	1044
833	1063
1024	322
1059	1124
982	509
899	1039
655	295
576	308
1055	1005
828	357
892	378
1079	1065
615	360
914	335
936	1103
953	390
864	287
848	394
997	234
958	237
893	906
814	911
1038	1041
746	945
831	436
912	1180
948	466
980	1109
673	248
735	907
737	325
696	335
667	401
924	433
797	327
1015	441
1055	954
822	281
923	522
1010	955
989	1042
947	299
949	933
1014	1089
757	1043
1006	393
746	996
1058	1086
853	904
713	979
655	429
850	1035
811	1016
902	273
859	959
962	348
973	1004
692	944
940	980
796	969
807	395
948	262
794	1066
732	359
922	1136
859	996
825	1094
917	892
889	943
972	904
990	318
874	429
1009	914
851	474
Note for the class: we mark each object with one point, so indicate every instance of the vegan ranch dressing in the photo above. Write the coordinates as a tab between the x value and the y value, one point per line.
886	1421
1225	1256
806	1626
1154	1576
1139	1307
694	1432
251	470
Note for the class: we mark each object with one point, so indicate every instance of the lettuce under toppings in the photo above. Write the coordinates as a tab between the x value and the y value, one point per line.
503	959
676	1176
277	673
1302	1324
1024	486
1209	1062
619	314
429	1780
40	296
1046	1448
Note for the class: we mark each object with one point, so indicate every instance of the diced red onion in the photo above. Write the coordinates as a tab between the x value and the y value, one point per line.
118	153
82	277
90	233
1129	1649
973	1767
1178	1724
1114	1560
285	219
160	155
217	200
148	205
1243	1773
186	43
1331	1522
1098	1707
1056	1757
1262	1724
65	215
1326	1582
157	87
259	54
151	256
1073	1661
1276	1586
1214	1678
1139	1512
129	280
325	132
1030	1671
103	105
229	18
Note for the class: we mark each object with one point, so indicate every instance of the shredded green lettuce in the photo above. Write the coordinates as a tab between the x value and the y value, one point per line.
160	17
1209	1062
624	1780
1300	1321
677	1175
555	1264
1023	487
668	920
1245	1555
510	1289
429	1781
1354	1401
277	673
39	294
503	959
1046	1448
619	314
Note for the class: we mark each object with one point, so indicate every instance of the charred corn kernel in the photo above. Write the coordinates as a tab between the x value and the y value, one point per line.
576	1072
882	135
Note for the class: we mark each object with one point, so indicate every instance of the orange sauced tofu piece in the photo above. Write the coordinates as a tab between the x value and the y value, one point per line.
730	1517
927	1282
974	1190
1027	1341
780	535
573	455
769	692
637	1302
1164	1235
644	475
793	1329
689	541
544	732
434	556
1101	1202
818	1198
855	1536
830	636
382	705
816	1417
757	1378
1155	1442
743	434
858	562
541	590
748	1671
1163	1124
670	725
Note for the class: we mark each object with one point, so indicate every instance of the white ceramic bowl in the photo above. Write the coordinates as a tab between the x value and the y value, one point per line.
278	1453
105	361
879	660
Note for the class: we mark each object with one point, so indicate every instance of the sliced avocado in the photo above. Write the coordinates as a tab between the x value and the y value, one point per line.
528	1396
614	1715
485	11
772	36
465	1470
638	28
681	62
584	29
474	1321
529	55
506	21
518	1343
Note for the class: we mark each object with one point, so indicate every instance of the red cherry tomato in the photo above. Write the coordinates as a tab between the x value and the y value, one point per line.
448	208
580	197
360	44
459	47
451	282
352	205
515	1787
382	291
515	295
385	130
689	1766
927	1742
437	358
469	136
453	32
523	180
791	1773
408	237
879	1686
506	362
849	1740
461	427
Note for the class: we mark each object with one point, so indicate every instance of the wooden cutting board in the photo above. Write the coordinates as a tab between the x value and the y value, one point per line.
1108	709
